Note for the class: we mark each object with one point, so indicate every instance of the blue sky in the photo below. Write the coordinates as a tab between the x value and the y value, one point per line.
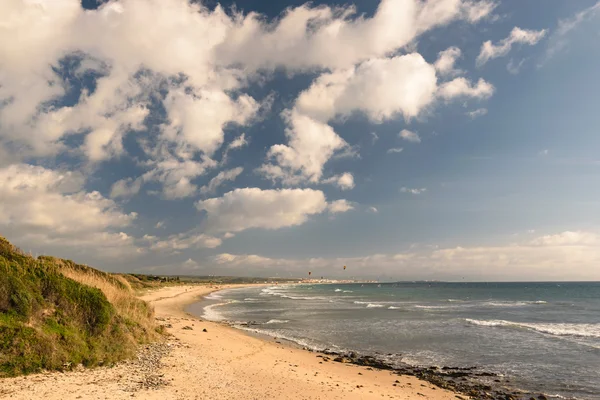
440	139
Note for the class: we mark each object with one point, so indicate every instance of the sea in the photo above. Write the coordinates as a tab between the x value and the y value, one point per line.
540	337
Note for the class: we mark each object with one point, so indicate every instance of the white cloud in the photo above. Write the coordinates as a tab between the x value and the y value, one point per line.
446	60
517	36
340	206
200	118
413	190
176	174
200	82
228	235
372	210
568	238
238	142
344	181
222	177
380	88
544	152
247	208
461	87
183	241
311	144
328	38
395	150
527	261
48	207
374	136
480	112
125	188
409	136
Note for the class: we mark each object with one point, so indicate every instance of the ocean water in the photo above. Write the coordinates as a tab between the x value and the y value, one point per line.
542	337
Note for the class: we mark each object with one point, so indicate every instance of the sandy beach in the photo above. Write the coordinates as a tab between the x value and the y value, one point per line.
207	360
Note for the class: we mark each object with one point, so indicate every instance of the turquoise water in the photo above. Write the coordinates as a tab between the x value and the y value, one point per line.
542	337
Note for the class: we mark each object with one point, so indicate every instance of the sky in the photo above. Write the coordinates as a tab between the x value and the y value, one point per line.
406	139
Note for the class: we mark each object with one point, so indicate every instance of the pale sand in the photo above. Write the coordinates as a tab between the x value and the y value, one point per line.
222	363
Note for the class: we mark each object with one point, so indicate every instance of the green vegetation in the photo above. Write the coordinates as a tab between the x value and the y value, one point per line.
55	314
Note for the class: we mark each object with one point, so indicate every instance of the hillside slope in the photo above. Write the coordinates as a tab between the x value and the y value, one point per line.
55	314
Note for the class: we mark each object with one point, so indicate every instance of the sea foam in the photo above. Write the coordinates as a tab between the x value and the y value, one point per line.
555	329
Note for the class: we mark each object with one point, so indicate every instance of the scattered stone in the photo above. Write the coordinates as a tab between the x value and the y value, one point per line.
187	328
204	330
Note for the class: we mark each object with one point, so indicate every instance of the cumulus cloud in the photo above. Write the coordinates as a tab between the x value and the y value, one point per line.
104	85
344	181
222	177
125	188
382	89
183	241
517	36
461	87
446	60
340	206
409	136
48	207
247	208
330	38
413	190
311	144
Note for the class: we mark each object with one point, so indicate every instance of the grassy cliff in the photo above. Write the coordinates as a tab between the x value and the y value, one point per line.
55	314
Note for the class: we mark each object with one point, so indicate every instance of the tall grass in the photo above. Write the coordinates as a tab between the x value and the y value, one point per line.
55	313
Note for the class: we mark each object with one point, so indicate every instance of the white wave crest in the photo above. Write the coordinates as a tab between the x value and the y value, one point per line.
372	305
394	308
211	314
277	321
337	290
511	303
555	329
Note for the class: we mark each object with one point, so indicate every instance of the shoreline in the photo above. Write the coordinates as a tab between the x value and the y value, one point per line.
210	360
465	381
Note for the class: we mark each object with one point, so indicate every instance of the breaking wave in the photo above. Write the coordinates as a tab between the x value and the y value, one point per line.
556	329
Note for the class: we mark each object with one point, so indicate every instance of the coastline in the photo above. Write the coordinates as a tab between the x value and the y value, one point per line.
211	360
464	382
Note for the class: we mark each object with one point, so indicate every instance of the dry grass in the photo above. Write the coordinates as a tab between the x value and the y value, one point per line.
55	314
118	292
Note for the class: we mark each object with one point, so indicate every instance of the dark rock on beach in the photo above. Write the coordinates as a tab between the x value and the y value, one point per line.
467	381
